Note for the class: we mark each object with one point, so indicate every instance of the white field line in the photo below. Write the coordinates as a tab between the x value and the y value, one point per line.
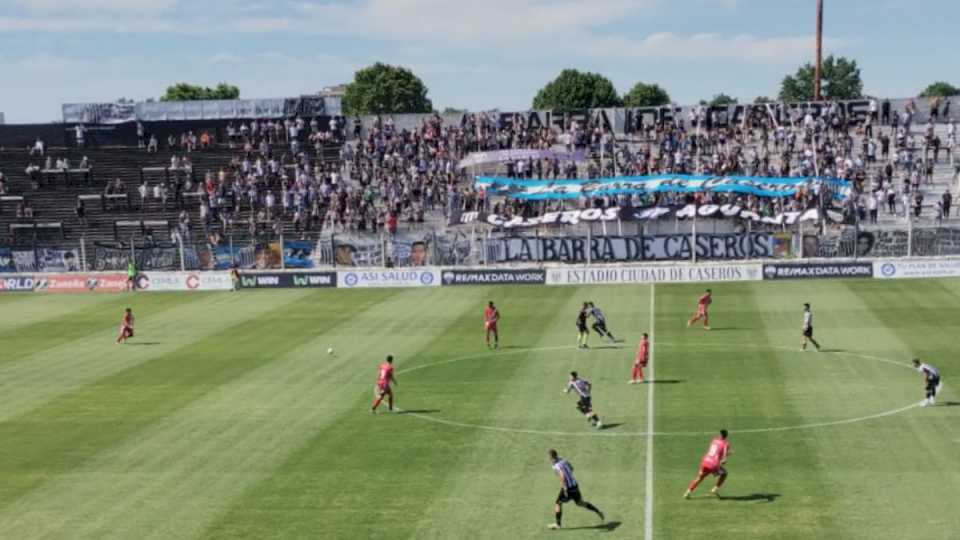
648	497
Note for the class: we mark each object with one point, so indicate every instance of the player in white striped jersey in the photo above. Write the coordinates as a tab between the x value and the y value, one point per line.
807	329
582	387
569	489
931	381
600	323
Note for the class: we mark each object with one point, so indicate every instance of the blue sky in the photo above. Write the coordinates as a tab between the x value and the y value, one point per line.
482	54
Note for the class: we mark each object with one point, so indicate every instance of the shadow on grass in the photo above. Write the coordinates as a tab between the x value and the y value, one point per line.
611	426
143	343
664	381
609	526
833	350
419	411
605	347
753	497
951	403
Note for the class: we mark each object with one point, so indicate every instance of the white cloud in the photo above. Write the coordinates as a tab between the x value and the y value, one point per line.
707	46
87	6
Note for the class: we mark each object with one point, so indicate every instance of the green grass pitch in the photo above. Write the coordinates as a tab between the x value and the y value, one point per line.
225	417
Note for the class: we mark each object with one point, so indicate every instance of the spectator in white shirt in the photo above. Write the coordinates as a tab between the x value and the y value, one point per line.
38	148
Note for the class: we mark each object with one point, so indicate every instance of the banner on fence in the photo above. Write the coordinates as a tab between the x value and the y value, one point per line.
500	156
223	258
576	249
6	261
531	276
79	282
915	269
402	250
46	260
428	277
298	254
700	273
594	215
288	280
760	186
147	258
16	283
818	270
184	281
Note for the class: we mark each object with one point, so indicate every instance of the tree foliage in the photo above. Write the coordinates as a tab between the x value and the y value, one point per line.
194	92
722	100
573	90
940	89
385	89
646	95
841	80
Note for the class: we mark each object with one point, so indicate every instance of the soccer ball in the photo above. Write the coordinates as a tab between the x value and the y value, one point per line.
330	351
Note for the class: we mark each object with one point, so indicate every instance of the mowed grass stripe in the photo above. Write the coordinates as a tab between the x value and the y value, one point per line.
38	378
502	486
59	320
20	309
910	457
173	477
367	475
727	378
82	421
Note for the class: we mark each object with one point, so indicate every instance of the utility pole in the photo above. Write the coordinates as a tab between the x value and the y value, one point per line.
818	71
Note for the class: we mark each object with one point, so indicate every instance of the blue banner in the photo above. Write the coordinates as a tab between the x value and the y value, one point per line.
297	254
665	183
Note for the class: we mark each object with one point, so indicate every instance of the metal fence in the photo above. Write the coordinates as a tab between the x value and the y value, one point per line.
475	247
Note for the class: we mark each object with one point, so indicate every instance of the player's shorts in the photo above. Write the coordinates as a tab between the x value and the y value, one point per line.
716	470
581	326
808	332
383	388
584	405
701	310
126	331
491	326
600	326
932	384
569	494
641	363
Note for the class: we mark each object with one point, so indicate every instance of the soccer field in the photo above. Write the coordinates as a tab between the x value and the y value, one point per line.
225	417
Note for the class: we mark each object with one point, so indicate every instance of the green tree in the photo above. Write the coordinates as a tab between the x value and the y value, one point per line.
760	100
722	100
193	92
940	89
453	110
841	80
385	89
573	90
646	95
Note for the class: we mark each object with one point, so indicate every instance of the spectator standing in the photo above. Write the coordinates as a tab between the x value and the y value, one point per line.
38	148
946	201
81	212
80	132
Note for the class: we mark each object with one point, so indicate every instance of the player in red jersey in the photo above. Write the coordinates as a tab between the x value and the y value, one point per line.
491	315
712	463
126	327
640	362
702	304
384	378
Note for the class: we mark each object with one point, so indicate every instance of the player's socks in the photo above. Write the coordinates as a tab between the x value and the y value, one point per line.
558	516
593	509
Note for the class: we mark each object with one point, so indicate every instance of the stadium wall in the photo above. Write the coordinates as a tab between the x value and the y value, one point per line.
106	282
